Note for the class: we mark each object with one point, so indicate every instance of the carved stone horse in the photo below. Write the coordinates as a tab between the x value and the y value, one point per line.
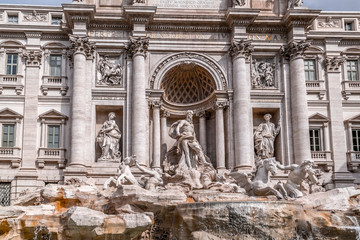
258	186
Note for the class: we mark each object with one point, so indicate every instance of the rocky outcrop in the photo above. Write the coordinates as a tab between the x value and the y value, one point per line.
84	211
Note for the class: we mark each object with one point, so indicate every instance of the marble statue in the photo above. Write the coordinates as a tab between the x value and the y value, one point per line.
111	74
239	3
295	3
108	138
186	142
264	137
185	164
153	180
262	74
124	175
298	174
258	186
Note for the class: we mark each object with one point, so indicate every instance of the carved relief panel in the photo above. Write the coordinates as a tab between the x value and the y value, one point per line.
110	71
263	73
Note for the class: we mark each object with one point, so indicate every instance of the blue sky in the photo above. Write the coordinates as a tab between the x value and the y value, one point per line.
328	5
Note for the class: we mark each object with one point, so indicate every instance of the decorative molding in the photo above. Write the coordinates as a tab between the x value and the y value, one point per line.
82	45
106	26
32	58
259	29
155	103
54	36
12	35
164	113
333	64
202	114
221	105
35	17
188	28
295	49
179	58
241	48
138	45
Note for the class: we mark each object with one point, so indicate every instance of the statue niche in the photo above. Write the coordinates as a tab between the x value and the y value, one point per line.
108	139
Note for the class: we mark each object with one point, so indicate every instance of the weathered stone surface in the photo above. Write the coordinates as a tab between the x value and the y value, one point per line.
11	212
79	217
336	199
31	198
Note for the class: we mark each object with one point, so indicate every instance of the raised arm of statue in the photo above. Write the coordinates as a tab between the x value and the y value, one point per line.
289	167
312	176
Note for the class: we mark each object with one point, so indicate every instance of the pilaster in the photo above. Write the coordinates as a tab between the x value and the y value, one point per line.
156	105
202	129
220	135
341	176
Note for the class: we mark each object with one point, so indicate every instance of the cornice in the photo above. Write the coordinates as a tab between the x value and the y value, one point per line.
12	35
109	26
54	36
300	17
241	16
160	27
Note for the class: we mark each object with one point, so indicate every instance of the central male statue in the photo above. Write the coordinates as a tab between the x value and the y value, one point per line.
186	142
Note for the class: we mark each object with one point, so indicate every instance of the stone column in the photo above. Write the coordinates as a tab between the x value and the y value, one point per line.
138	48
82	49
164	115
202	130
220	136
156	134
299	108
342	176
243	151
32	61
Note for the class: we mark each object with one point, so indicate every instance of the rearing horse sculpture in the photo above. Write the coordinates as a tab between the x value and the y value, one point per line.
258	186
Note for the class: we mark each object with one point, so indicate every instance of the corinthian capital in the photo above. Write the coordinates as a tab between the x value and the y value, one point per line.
138	45
81	45
334	63
32	58
295	49
220	105
241	48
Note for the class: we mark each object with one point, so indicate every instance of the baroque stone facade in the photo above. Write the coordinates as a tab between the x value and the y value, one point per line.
68	71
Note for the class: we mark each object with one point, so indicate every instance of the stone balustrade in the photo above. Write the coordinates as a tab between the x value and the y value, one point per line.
322	158
12	155
350	87
353	159
54	83
14	82
316	87
52	156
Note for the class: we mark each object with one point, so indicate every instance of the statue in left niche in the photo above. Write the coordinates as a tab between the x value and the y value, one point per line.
108	138
110	73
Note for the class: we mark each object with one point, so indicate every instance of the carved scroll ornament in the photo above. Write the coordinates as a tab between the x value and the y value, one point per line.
82	45
241	48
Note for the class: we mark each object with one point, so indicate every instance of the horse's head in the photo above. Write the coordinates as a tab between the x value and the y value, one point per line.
270	165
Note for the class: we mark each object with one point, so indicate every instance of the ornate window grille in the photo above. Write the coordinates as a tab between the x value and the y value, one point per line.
5	193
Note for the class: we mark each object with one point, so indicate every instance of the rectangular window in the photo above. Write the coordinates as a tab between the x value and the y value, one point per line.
349	26
352	70
11	64
5	193
356	140
315	145
56	20
55	65
13	19
53	136
8	135
310	70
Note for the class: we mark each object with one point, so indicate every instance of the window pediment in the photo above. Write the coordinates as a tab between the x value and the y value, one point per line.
355	119
7	113
317	117
53	115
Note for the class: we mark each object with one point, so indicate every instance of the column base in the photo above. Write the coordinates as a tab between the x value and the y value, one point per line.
243	168
343	179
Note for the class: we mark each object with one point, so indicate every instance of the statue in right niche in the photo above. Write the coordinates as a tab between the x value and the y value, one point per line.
295	3
264	137
108	138
239	3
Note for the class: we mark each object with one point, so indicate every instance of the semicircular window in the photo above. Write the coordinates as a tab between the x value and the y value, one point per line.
187	83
